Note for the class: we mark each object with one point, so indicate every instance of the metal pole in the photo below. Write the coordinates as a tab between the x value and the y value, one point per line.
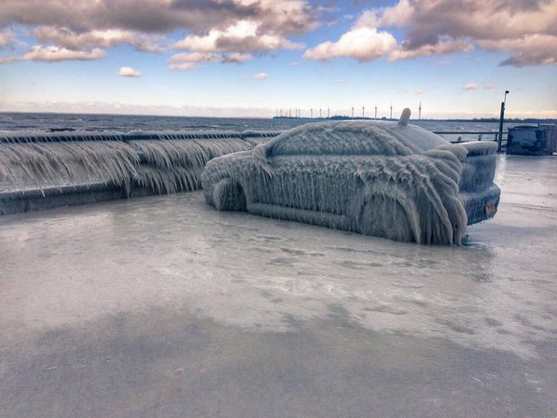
501	120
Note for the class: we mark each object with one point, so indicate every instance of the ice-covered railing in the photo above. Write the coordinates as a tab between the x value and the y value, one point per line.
172	161
163	161
26	137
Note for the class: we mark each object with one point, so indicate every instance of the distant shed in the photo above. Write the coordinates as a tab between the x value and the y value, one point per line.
532	140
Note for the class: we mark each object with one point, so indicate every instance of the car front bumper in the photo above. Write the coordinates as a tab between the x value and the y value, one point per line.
481	205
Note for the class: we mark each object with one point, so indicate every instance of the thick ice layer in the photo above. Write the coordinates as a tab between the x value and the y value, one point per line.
164	162
353	138
389	180
175	165
62	163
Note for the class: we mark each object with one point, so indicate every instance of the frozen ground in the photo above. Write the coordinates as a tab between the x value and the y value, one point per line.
164	307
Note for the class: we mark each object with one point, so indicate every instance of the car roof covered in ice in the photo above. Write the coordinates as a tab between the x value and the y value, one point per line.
354	138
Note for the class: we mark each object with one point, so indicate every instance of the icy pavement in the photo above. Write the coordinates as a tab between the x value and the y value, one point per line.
162	306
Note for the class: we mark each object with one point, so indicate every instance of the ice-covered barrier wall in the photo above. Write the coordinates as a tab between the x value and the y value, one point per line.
161	162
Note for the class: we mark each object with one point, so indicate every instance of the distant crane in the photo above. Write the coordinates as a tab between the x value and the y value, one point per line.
420	111
391	111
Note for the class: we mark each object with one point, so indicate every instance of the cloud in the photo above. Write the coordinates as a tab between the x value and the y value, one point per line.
362	43
419	92
57	54
489	86
97	38
192	57
128	72
261	76
159	16
235	27
185	66
7	60
470	86
243	36
235	58
188	60
7	37
524	29
442	47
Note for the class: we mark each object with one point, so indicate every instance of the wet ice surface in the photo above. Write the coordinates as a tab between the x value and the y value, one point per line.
69	269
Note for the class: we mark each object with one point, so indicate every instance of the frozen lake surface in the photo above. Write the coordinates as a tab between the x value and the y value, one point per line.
164	307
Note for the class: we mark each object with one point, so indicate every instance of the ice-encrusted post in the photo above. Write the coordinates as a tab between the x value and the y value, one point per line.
501	120
405	117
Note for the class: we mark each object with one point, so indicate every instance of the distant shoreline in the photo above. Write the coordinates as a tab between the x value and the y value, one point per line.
483	120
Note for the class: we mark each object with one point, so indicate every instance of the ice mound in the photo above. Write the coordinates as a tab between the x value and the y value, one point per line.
386	179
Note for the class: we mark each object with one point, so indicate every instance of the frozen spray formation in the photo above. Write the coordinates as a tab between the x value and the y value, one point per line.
385	179
162	162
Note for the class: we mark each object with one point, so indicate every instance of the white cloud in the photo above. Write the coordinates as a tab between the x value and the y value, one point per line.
525	29
419	92
6	38
442	47
192	57
67	38
234	28
261	76
243	36
7	60
128	72
470	86
235	58
57	54
185	66
489	86
362	43
188	60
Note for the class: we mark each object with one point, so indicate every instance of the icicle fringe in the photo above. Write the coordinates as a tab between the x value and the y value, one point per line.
163	162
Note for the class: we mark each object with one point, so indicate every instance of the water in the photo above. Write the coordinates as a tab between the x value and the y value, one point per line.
81	122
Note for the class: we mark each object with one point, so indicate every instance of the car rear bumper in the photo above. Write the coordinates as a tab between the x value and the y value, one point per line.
482	205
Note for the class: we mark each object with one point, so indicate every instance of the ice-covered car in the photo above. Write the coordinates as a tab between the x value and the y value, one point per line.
386	179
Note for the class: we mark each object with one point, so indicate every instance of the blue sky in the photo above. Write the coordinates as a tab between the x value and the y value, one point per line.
252	57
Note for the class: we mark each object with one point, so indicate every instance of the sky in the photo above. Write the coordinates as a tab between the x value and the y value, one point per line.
254	58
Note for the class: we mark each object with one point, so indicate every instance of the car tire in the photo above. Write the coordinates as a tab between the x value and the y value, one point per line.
383	216
228	195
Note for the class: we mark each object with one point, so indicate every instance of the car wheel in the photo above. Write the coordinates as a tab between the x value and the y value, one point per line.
228	195
383	216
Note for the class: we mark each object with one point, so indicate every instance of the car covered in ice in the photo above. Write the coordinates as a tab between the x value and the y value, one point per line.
386	179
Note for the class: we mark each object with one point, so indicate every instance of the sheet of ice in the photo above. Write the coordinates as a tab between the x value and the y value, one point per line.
68	267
